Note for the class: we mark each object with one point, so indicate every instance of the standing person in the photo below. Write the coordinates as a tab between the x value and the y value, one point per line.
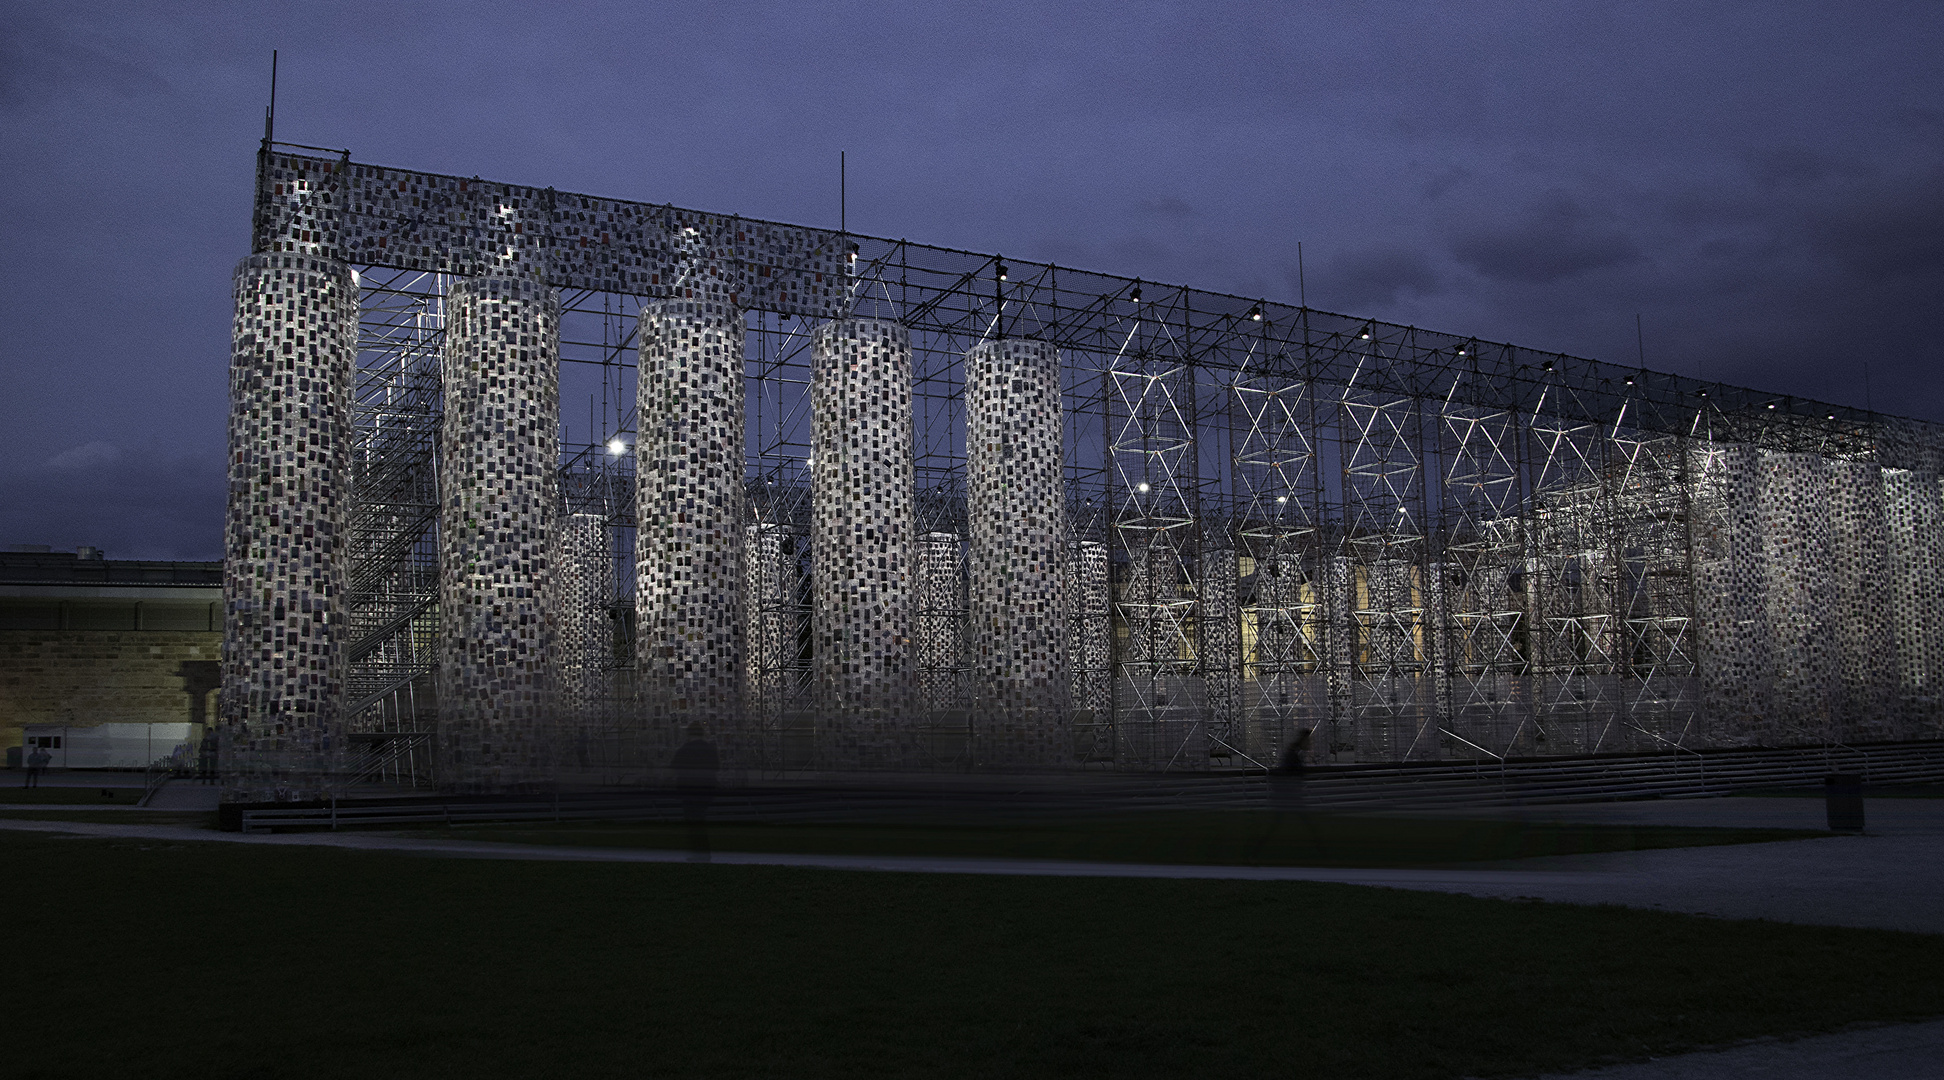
1286	792
36	765
695	767
206	758
1286	782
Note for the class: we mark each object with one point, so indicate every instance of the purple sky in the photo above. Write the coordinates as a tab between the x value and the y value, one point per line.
1762	183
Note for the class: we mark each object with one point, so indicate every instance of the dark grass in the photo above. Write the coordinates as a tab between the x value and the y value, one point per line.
117	796
1215	838
218	961
197	819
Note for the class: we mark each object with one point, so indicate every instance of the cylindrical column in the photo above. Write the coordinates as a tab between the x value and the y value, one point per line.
584	566
1090	624
1219	622
294	345
1865	638
1340	600
1016	508
1731	584
689	471
1805	656
1913	514
941	625
769	613
498	488
861	539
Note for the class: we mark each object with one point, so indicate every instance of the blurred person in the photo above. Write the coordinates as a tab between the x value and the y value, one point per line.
36	765
1286	794
695	766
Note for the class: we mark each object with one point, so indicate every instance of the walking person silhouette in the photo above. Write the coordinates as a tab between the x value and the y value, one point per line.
695	766
1286	794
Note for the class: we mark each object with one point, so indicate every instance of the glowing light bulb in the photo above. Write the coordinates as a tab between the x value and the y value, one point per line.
1141	487
617	447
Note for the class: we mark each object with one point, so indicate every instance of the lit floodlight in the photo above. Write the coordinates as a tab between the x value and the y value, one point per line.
1141	487
617	447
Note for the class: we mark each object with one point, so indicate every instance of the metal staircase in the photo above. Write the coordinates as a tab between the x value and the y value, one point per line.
393	580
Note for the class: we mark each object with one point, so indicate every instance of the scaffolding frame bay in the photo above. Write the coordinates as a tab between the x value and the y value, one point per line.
1422	546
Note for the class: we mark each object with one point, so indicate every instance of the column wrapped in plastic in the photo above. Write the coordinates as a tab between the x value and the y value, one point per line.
499	492
689	632
294	347
1016	508
861	541
584	565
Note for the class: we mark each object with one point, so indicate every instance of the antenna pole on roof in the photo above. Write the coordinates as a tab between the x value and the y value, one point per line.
270	112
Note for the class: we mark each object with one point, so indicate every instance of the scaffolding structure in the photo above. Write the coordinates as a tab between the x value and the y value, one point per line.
1421	546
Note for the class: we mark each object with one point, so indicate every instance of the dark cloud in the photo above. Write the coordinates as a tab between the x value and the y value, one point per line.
41	59
147	502
1372	278
1759	183
1886	231
1444	180
1553	238
1166	206
1775	166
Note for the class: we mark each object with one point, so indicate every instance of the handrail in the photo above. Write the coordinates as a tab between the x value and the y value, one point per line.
159	772
1495	757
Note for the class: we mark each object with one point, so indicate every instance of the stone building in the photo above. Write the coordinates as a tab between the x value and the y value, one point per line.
86	641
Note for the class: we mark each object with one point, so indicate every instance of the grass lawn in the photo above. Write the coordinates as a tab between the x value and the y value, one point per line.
1218	838
198	819
116	796
214	961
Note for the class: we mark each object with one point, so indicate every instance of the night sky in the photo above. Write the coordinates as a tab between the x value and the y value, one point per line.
1763	184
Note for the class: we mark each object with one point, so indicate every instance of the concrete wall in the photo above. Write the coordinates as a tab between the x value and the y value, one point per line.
87	677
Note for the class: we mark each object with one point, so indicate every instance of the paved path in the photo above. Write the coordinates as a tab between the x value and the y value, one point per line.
1892	877
1899	1052
1436	880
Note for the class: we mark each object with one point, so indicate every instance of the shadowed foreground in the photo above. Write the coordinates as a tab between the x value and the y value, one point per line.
325	963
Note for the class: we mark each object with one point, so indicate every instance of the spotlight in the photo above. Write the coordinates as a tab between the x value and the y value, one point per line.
617	447
1771	404
1141	487
1630	380
1000	273
853	253
1256	313
1282	498
1547	366
1831	416
1365	336
1135	295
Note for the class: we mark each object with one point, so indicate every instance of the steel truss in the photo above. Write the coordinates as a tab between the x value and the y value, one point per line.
1422	545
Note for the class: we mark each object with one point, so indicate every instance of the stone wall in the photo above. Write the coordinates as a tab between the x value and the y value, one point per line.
85	677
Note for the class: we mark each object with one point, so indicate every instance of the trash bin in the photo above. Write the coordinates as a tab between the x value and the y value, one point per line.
1844	794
